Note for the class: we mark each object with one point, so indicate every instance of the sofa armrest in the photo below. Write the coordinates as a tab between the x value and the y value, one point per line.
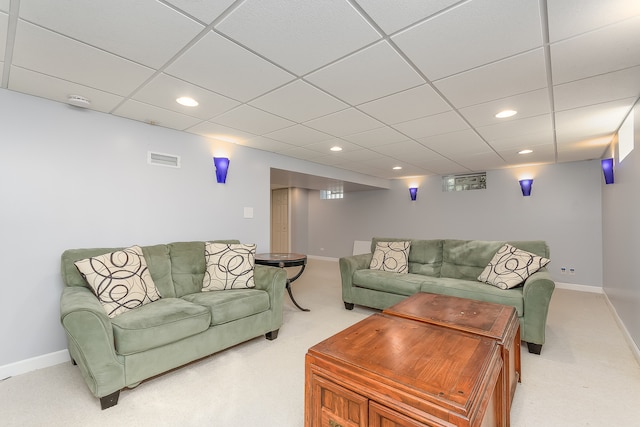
537	292
348	266
273	280
90	340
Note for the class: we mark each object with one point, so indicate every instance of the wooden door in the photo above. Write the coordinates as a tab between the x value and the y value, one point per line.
280	220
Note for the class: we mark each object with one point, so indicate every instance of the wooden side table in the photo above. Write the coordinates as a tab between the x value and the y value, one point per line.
284	260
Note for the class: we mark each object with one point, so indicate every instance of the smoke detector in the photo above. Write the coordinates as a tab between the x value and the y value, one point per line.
78	101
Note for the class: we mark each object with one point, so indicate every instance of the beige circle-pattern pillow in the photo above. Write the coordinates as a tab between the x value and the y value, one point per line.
510	267
229	266
391	256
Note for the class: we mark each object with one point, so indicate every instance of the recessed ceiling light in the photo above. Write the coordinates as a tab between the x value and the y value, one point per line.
78	101
506	113
187	102
525	152
336	148
397	168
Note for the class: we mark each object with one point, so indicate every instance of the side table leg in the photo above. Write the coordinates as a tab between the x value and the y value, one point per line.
292	298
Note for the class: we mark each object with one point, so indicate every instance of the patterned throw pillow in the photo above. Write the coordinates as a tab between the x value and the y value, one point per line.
510	267
391	256
120	280
229	266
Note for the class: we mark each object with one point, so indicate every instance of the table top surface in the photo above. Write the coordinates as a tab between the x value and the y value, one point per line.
479	317
276	258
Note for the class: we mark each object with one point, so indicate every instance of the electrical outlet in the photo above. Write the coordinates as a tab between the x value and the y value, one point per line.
572	271
563	270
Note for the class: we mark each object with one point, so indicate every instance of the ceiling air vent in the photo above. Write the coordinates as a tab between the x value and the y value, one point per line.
162	159
471	181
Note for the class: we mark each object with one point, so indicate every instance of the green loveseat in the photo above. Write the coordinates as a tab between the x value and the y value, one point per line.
451	267
186	324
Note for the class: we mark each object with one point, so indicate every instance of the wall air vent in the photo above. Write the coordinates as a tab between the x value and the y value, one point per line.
162	159
471	181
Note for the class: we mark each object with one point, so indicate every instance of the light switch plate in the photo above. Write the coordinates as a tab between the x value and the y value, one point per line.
248	212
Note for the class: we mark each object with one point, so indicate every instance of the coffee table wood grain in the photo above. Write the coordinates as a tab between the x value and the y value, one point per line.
496	321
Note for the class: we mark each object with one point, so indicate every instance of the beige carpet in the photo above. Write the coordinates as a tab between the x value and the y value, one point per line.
586	375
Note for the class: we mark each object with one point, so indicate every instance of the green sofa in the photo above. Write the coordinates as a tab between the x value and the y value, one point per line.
186	324
451	267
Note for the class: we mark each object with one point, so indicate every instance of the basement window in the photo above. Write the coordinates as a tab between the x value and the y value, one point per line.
331	194
474	181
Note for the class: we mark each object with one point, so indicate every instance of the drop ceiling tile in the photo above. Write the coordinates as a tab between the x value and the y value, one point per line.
568	18
222	66
299	101
221	133
325	147
456	143
26	81
376	137
518	74
591	122
253	120
595	90
299	135
344	122
153	115
407	105
586	149
49	53
527	104
520	141
361	155
302	153
115	26
163	91
479	32
531	125
393	16
354	80
480	161
616	47
205	11
4	27
407	151
544	153
432	125
266	144
4	5
299	36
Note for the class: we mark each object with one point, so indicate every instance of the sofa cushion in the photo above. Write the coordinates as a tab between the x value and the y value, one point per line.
473	289
120	280
159	323
231	305
391	256
385	281
510	267
465	259
229	266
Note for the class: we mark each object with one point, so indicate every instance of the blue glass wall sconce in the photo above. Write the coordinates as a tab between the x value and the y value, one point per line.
525	186
607	170
222	166
413	192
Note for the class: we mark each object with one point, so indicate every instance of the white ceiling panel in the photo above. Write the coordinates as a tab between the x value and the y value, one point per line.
527	104
526	140
205	11
541	154
300	36
163	34
407	151
325	147
299	101
219	65
221	133
4	27
593	148
253	120
508	28
366	75
456	143
344	122
591	122
299	135
518	74
4	5
33	83
266	144
407	105
598	89
393	16
376	137
41	50
302	153
616	47
163	91
153	115
517	128
481	161
432	125
568	18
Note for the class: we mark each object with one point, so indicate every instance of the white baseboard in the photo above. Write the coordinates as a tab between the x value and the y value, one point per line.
38	362
625	332
322	258
581	288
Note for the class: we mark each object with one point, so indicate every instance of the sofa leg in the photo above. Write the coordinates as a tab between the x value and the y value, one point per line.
534	348
272	335
348	305
73	362
109	400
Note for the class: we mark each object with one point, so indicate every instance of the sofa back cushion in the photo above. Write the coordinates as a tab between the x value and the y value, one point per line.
425	256
466	259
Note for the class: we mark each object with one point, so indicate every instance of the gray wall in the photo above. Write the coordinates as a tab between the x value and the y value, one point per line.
621	237
564	209
72	178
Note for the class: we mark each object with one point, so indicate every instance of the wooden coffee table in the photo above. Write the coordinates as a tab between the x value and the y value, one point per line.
390	371
496	321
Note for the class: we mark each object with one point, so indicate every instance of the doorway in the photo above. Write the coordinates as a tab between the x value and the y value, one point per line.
280	220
